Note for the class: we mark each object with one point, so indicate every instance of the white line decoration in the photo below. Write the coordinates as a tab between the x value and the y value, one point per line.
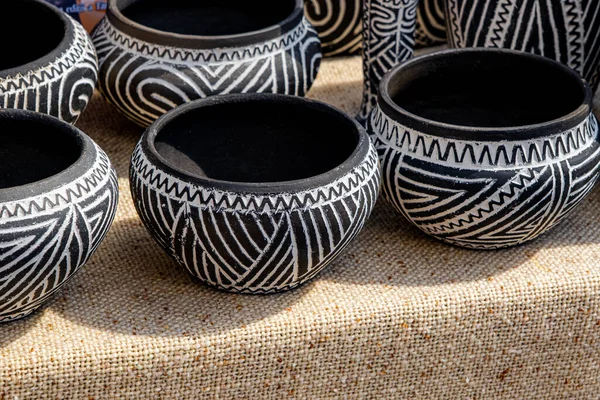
63	87
431	23
388	39
253	243
45	239
567	30
485	194
339	24
145	80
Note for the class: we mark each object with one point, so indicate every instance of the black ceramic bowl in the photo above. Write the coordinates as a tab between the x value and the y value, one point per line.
156	55
485	148
52	69
58	198
254	193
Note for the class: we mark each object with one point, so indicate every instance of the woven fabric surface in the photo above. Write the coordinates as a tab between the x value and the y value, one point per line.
398	315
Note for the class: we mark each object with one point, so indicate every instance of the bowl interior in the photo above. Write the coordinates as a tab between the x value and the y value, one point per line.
31	30
208	17
258	141
31	150
487	89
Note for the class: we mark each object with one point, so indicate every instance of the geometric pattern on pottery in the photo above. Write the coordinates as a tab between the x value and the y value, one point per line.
567	30
251	243
145	80
485	195
339	24
45	239
388	40
431	23
63	87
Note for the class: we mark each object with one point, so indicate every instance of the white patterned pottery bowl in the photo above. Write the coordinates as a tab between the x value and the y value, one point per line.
485	148
249	193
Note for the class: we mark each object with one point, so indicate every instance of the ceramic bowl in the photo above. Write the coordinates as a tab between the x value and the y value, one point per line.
53	72
249	193
58	197
485	148
155	56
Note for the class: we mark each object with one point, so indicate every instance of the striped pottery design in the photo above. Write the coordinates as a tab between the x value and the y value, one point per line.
62	87
253	243
567	31
485	194
145	80
45	239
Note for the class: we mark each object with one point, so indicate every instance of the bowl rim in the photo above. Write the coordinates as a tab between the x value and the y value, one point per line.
199	42
83	163
484	134
354	160
63	46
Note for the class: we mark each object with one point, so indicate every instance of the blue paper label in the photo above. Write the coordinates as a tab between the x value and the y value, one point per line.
88	12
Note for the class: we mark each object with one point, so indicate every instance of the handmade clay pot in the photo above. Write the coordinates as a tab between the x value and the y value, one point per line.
58	197
155	56
339	24
567	30
249	193
53	72
485	148
388	39
431	24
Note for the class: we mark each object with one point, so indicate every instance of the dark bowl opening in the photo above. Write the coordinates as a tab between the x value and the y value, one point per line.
488	89
258	141
32	150
207	17
31	30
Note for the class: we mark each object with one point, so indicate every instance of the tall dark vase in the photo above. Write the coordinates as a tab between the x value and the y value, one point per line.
567	31
388	39
339	24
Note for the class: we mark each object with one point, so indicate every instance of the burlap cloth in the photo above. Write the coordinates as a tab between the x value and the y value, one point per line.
398	315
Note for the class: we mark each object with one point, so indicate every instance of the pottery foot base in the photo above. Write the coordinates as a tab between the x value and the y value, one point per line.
5	318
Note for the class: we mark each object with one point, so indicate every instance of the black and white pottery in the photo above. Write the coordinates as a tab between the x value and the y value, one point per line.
485	148
53	72
339	24
564	30
254	193
388	39
431	23
156	55
58	198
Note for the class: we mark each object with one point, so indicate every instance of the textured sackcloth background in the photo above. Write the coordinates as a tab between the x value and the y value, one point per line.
398	315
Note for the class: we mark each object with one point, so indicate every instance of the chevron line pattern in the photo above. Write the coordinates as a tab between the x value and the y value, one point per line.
253	243
388	39
144	80
469	154
567	30
62	88
509	200
45	240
